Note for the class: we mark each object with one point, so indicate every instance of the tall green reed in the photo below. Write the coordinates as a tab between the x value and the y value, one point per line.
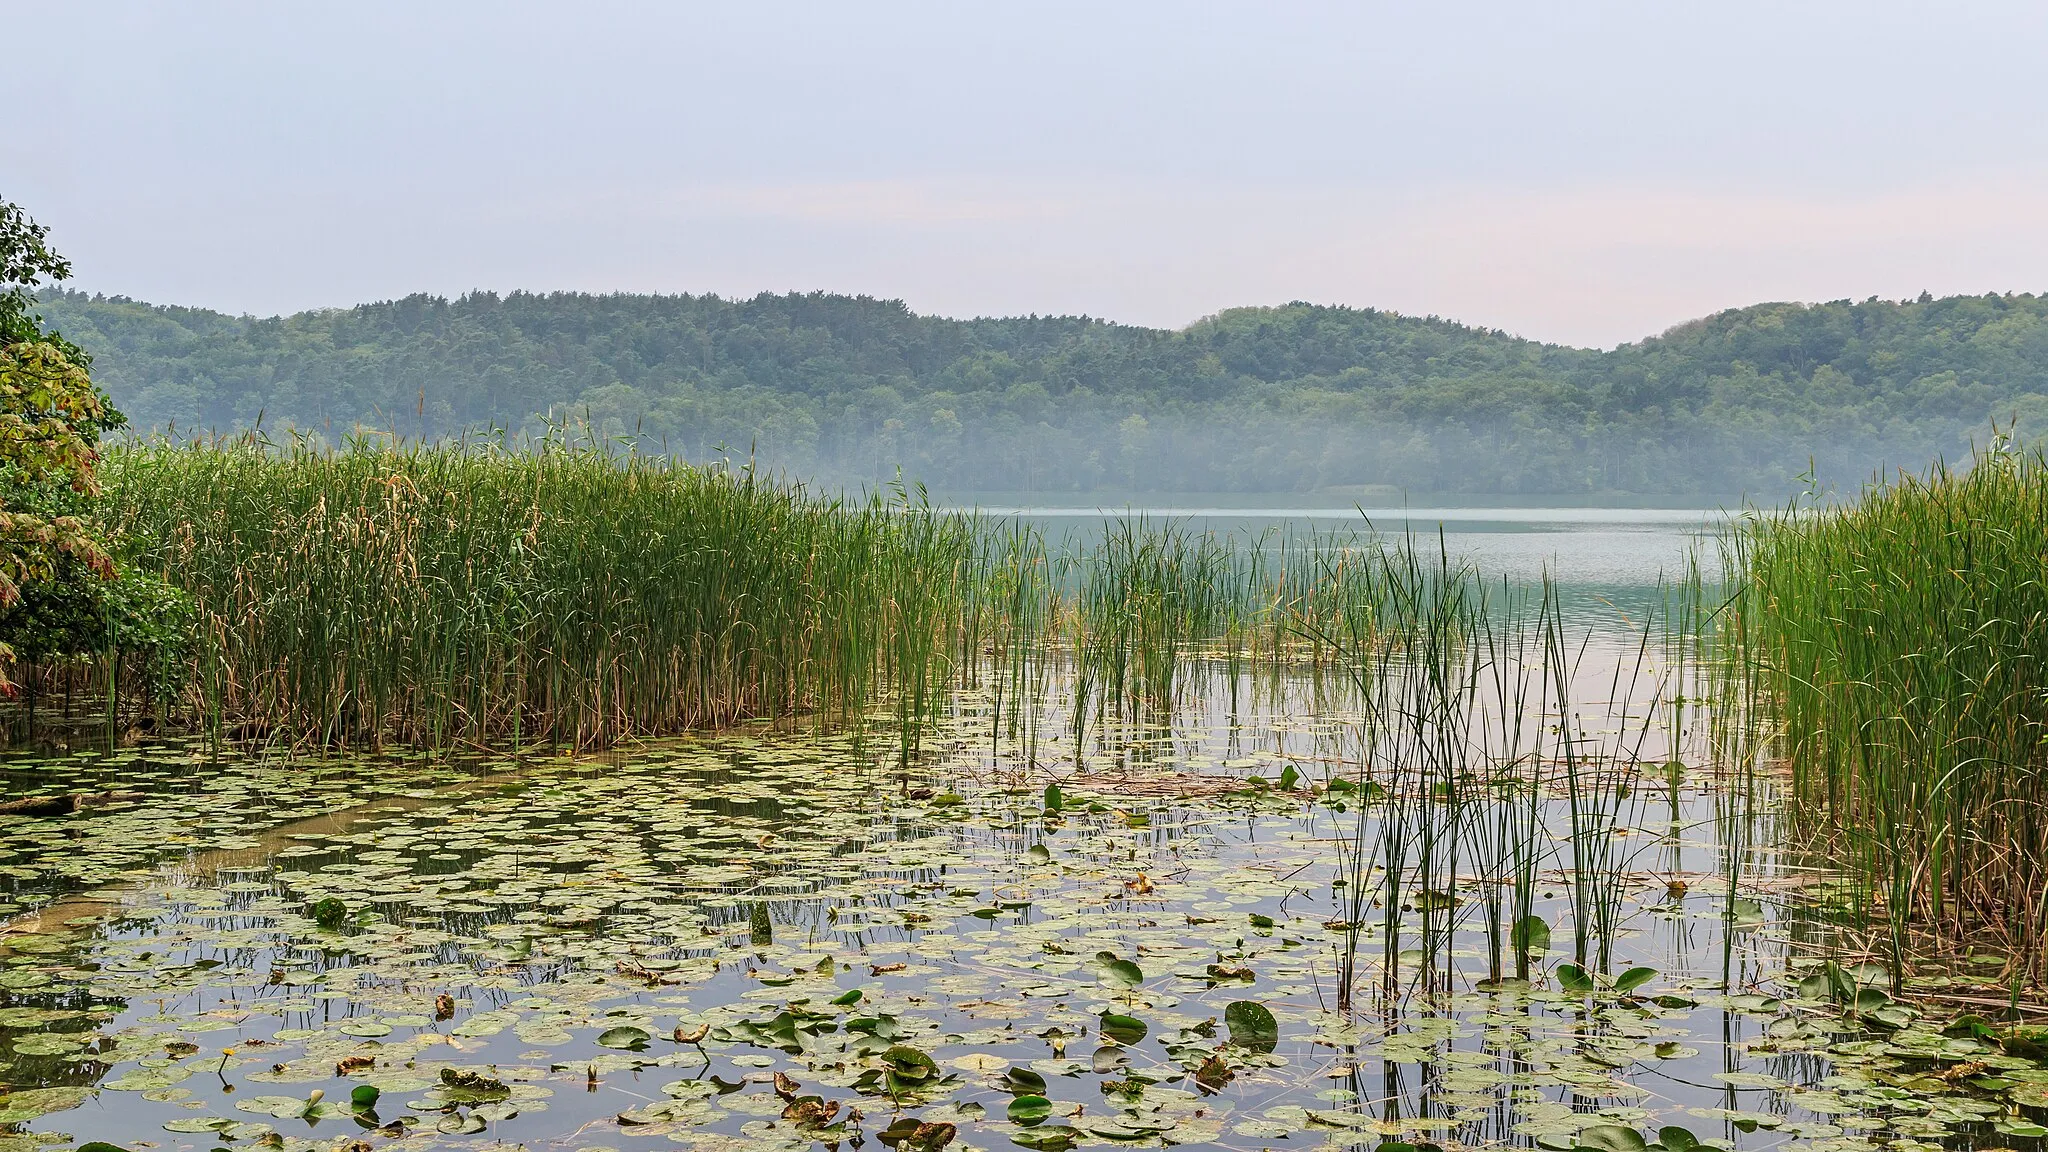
1495	737
1899	644
564	591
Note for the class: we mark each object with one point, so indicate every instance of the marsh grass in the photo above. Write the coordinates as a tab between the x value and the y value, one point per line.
1898	644
1499	749
1153	609
564	592
1601	755
574	592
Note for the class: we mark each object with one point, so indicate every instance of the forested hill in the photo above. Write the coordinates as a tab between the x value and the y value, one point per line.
1295	398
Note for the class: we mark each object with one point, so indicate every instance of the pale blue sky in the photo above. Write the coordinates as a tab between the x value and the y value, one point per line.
1579	172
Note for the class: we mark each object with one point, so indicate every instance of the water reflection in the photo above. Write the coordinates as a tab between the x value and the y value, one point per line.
628	950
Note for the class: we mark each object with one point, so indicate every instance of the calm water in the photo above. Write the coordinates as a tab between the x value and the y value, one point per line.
763	940
781	893
1580	546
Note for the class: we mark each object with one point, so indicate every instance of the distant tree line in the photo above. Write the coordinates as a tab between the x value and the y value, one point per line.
1293	398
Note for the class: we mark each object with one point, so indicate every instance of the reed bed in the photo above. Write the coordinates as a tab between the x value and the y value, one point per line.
1899	645
574	592
562	592
1152	603
1499	751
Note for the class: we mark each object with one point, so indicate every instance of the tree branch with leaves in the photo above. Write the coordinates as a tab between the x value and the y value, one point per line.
62	594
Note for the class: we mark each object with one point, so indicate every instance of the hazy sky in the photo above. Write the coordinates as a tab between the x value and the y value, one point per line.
1580	172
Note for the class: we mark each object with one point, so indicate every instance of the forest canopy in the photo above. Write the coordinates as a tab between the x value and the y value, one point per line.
1294	398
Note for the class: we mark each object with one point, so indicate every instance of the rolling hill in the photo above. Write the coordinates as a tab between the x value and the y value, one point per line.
1293	398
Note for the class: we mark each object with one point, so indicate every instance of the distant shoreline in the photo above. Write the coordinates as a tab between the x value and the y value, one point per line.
1318	505
1465	513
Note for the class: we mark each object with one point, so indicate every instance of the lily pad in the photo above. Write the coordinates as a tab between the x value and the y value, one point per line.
1123	1029
1612	1138
1121	973
1633	979
1029	1110
1252	1026
627	1036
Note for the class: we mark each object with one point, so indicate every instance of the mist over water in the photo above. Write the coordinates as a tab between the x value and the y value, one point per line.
1582	548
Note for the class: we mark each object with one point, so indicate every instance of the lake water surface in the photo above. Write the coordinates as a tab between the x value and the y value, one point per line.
785	939
1580	546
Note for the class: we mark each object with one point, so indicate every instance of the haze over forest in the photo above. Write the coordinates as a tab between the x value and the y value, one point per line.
1299	398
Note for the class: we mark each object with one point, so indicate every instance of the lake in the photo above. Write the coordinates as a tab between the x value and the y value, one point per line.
1581	546
1271	908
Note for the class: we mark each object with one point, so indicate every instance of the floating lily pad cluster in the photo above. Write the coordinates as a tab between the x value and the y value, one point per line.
783	942
158	805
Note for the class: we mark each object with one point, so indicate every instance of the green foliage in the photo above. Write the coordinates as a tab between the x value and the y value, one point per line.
1900	645
566	593
144	622
1122	1029
1029	1110
1633	979
61	592
1252	1025
579	591
26	261
1611	1138
49	428
1292	398
330	913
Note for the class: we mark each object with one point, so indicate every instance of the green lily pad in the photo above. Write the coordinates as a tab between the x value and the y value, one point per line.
1530	934
1676	1139
1029	1110
1574	979
1633	979
1121	973
1123	1029
199	1124
43	1044
281	1107
910	1065
1252	1025
1612	1138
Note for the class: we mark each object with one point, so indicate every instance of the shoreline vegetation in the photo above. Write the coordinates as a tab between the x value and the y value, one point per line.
1799	780
1825	751
1880	660
1897	646
574	591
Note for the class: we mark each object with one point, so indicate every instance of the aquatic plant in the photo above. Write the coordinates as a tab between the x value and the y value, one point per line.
1150	603
1493	738
1509	841
738	941
572	590
1898	644
563	590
